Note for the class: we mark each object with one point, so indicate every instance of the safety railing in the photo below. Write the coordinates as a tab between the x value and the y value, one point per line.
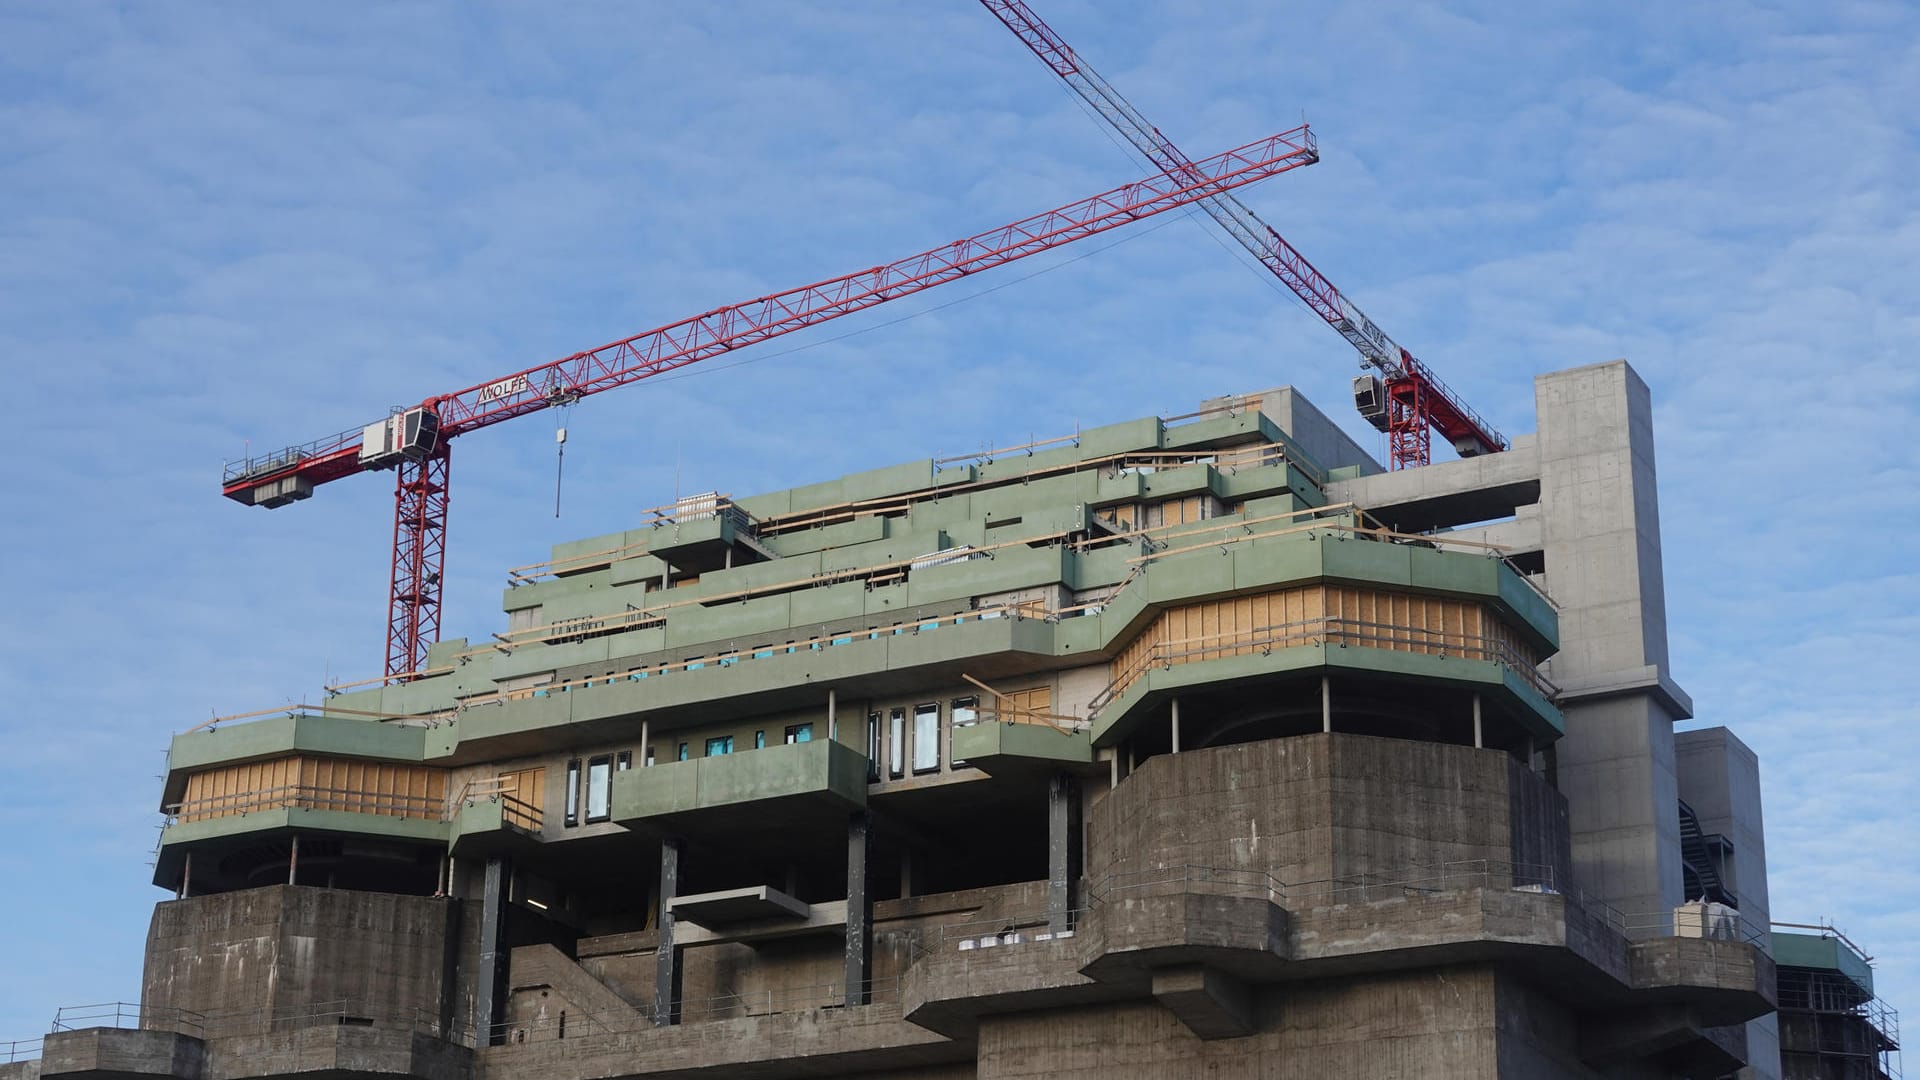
515	812
1324	630
304	797
697	508
21	1049
126	1014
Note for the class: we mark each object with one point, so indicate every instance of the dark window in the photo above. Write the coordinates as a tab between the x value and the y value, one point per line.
573	793
600	788
648	759
623	761
799	733
926	738
759	740
897	743
873	747
683	752
719	744
965	711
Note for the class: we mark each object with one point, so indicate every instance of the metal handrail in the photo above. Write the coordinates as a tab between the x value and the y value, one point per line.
21	1049
1325	630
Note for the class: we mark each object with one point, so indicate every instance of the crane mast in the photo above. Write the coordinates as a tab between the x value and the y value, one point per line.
415	441
1407	400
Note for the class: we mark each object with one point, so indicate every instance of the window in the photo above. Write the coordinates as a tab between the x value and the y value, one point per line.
647	760
965	711
683	753
623	761
799	733
599	788
926	738
897	743
573	793
873	747
759	740
719	744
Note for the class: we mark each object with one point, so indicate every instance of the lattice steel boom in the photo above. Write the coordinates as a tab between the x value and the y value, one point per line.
415	440
1414	400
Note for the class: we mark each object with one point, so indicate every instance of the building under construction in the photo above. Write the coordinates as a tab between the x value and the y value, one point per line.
1191	745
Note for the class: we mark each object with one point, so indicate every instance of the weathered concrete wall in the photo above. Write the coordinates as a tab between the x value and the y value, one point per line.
1426	1024
1321	808
243	957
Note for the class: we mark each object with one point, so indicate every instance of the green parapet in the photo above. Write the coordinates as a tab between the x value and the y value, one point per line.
279	736
219	835
1503	689
1018	749
491	825
821	775
1823	952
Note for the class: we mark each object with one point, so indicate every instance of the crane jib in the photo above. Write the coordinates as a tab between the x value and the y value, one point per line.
286	477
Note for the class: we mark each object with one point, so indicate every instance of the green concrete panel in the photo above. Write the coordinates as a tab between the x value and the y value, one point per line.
1531	610
813	608
1221	428
1142	434
573	549
766	617
772	504
821	769
669	541
1822	953
1109	490
889	480
950	475
1176	578
1142	698
1241	485
279	736
533	659
990	745
1366	562
636	570
328	821
1177	483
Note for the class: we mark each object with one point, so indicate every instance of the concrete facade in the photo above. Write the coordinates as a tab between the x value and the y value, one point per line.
1193	746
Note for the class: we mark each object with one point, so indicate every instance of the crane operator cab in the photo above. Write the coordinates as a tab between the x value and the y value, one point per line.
408	435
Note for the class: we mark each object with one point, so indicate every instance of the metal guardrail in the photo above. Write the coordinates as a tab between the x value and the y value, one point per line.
125	1014
21	1049
1326	630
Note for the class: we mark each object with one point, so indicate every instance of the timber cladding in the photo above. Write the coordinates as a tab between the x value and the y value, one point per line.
1321	614
313	782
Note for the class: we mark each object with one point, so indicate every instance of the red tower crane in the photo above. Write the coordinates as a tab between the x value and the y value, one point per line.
1412	402
415	440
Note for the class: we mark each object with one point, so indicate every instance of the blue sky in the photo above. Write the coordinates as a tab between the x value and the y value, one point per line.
233	224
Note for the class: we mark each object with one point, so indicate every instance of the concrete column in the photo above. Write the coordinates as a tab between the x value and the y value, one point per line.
1176	725
1479	741
1600	526
1326	704
1063	851
490	982
859	912
666	958
646	740
186	878
906	872
833	716
1113	768
293	861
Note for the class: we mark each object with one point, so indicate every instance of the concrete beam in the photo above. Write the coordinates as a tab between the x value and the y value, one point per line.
1212	1004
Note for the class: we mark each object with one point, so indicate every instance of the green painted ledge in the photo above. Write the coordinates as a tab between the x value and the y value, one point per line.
821	770
998	747
1118	719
